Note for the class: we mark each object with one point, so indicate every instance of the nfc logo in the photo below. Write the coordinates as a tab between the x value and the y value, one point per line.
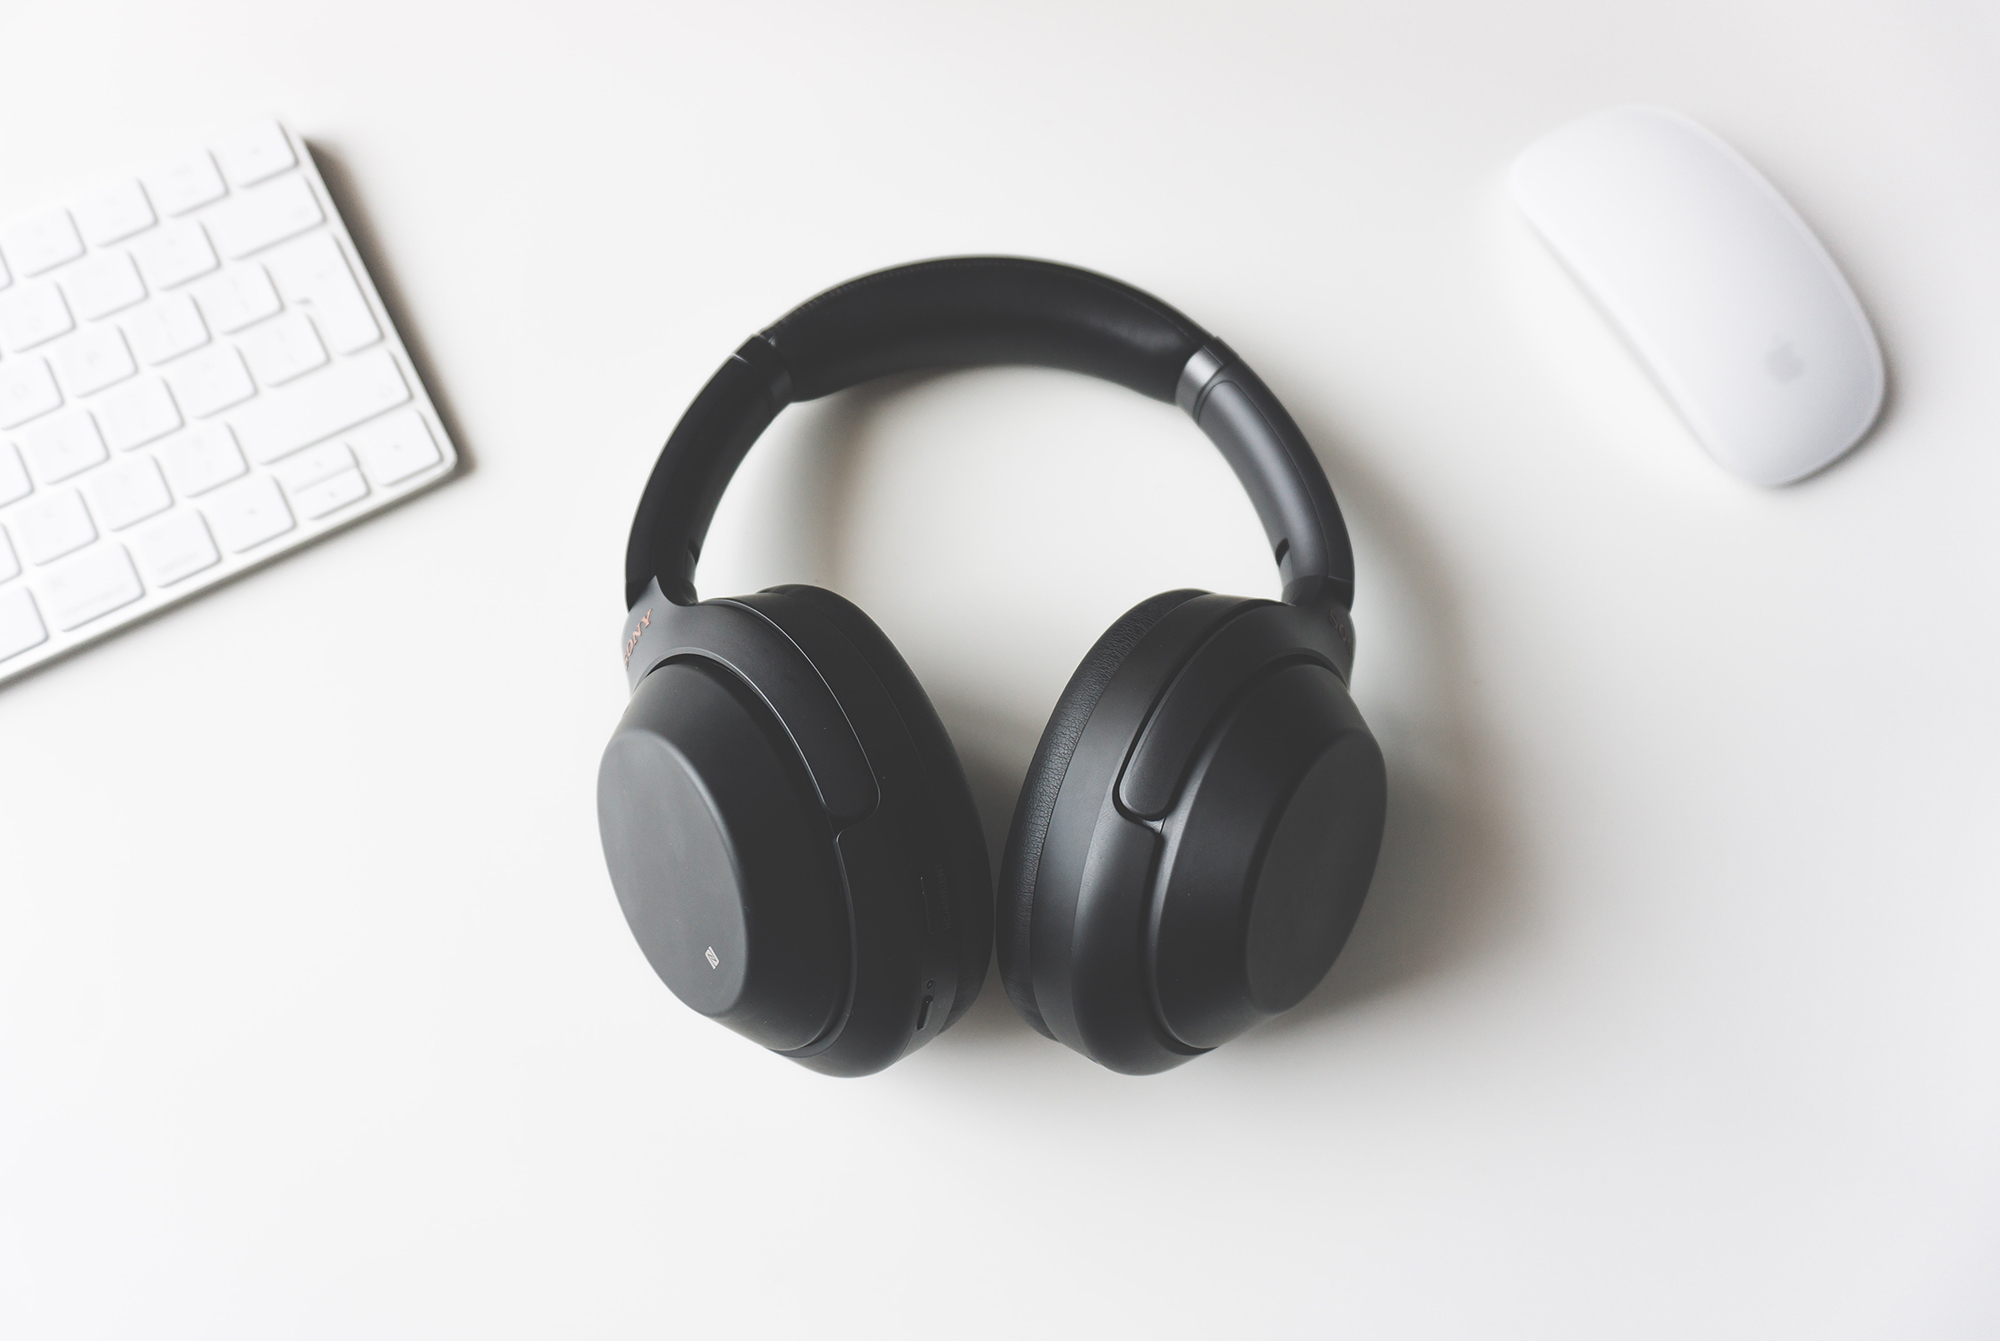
714	961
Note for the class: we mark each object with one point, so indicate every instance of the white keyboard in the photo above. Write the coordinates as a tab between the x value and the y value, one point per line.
196	376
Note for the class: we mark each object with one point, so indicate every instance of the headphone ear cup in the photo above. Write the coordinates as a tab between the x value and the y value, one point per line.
1197	833
789	833
1021	863
954	832
718	850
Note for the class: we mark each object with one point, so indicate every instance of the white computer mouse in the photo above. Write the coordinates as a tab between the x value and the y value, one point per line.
1732	303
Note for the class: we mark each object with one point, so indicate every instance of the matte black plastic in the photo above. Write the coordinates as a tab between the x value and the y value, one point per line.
741	638
1270	456
701	455
976	311
1045	773
1200	822
891	816
1043	893
721	857
1268	856
1264	634
1156	935
972	311
919	775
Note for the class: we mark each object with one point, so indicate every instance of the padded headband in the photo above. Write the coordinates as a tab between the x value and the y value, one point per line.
973	311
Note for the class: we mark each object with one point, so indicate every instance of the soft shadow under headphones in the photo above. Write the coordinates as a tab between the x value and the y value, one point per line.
786	822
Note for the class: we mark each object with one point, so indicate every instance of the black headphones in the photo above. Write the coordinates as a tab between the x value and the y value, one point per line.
786	822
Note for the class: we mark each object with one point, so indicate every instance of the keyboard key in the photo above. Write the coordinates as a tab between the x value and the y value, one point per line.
330	495
302	469
263	215
101	284
396	447
89	586
174	255
175	547
255	152
32	313
13	476
202	458
236	297
136	413
166	328
113	212
247	513
211	380
161	334
127	491
27	388
321	405
282	349
321	479
180	184
40	241
312	274
91	360
50	525
20	625
61	445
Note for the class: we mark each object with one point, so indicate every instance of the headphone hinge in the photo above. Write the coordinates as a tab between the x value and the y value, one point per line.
1198	375
762	358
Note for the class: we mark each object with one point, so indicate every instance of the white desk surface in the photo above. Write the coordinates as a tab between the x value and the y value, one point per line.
1674	1011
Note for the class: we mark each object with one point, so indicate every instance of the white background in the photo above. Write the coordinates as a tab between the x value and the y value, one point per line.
1674	1011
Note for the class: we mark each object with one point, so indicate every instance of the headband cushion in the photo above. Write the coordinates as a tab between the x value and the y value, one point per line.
1021	864
975	311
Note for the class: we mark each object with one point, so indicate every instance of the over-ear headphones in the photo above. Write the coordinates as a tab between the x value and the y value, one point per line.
787	826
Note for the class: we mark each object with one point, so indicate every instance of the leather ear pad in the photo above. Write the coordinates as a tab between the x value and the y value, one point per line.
1014	908
944	786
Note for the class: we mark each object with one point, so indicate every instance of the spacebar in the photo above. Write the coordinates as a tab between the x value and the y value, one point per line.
318	406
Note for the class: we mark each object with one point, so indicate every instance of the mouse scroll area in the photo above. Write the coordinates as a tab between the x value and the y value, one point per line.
1732	303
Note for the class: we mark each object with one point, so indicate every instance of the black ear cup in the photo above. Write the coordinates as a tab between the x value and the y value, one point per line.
713	832
1269	846
1021	863
946	820
1190	856
789	833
